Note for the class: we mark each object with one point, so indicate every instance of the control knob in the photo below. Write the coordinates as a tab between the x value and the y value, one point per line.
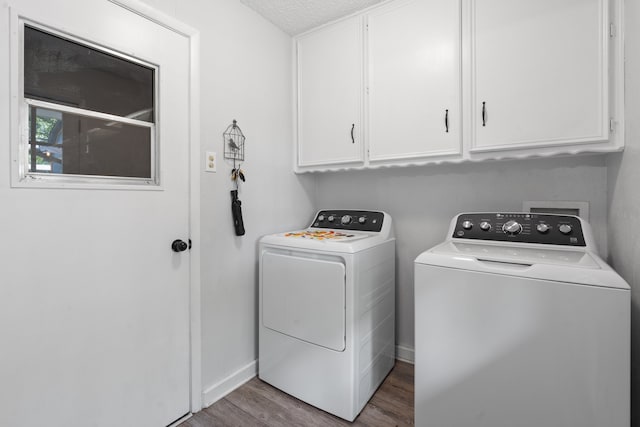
320	218
565	228
362	220
467	225
512	228
485	226
346	219
543	228
331	218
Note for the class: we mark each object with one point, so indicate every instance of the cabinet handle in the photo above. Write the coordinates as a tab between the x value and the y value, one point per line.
484	114
353	141
446	120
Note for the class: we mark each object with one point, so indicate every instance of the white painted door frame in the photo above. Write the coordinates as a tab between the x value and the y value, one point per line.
169	22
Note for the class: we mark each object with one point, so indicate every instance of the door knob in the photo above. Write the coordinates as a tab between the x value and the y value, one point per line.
179	246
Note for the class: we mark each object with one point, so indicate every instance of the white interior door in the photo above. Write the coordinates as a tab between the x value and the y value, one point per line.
94	304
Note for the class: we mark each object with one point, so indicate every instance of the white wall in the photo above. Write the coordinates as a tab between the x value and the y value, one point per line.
624	196
245	75
422	201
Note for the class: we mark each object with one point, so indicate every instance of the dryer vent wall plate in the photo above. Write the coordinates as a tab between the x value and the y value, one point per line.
580	209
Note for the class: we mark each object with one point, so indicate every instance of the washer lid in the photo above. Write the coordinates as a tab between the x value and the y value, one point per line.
539	262
519	254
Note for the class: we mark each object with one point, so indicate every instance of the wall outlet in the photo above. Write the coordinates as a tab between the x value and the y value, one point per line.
210	160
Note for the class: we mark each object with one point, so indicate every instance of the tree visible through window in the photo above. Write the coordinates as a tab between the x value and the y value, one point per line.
45	154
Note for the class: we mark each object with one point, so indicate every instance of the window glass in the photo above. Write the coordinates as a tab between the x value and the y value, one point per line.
90	112
65	72
72	144
45	150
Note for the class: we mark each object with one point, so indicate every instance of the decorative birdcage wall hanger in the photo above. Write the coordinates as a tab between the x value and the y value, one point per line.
234	143
233	140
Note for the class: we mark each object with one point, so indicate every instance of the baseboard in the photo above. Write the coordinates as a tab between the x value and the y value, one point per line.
405	354
222	388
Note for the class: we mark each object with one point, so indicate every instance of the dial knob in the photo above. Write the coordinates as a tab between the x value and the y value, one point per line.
362	220
320	218
512	227
331	218
346	219
565	228
543	228
467	225
485	226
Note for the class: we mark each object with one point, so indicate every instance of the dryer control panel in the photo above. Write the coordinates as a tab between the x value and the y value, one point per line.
349	220
520	227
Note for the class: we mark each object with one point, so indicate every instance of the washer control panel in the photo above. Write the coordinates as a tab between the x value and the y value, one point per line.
520	227
349	220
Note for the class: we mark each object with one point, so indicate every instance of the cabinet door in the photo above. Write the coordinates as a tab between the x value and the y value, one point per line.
330	94
539	73
414	80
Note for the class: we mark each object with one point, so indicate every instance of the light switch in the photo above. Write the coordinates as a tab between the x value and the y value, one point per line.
210	161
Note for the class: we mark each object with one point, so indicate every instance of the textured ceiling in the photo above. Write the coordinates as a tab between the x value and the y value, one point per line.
297	16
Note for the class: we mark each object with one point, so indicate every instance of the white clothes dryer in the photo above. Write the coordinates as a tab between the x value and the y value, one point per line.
519	322
327	309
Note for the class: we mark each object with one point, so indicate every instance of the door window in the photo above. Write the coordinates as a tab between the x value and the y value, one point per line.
89	112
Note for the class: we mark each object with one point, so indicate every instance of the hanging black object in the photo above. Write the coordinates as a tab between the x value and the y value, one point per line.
233	140
236	210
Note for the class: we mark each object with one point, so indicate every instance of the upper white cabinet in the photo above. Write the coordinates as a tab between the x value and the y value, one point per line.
330	91
539	73
414	80
432	81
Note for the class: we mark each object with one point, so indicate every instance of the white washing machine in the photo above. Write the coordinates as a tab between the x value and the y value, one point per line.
327	309
519	322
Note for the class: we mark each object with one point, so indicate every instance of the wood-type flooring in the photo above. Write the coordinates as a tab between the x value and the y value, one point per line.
256	403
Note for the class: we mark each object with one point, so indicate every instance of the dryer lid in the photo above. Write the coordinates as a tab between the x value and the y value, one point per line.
338	231
325	235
